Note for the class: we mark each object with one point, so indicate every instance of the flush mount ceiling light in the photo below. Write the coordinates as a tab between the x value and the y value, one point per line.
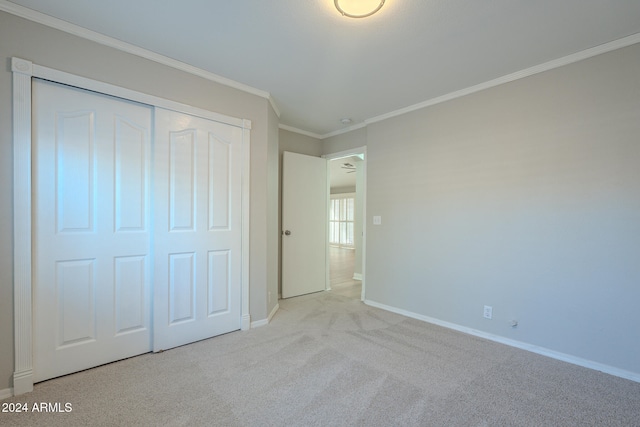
358	8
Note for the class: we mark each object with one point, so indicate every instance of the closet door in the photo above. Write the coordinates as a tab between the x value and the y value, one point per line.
91	181
198	234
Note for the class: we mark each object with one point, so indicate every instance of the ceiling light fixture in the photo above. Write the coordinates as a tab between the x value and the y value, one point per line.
358	8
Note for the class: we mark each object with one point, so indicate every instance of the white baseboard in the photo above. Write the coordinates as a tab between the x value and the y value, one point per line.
266	321
357	276
6	393
273	312
245	322
633	376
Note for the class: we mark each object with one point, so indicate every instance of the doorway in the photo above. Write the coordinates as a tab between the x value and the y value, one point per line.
346	237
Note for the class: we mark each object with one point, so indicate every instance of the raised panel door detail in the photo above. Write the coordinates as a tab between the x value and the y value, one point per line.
182	180
130	282
75	302
130	176
75	169
219	183
182	287
219	282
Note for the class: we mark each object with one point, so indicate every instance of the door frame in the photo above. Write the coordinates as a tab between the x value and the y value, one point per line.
358	151
23	72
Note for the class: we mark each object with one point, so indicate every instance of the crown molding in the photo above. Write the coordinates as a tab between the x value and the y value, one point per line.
274	106
345	130
59	24
323	136
556	63
84	33
300	131
550	65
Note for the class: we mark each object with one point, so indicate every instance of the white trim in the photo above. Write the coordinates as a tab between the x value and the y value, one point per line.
22	310
274	106
23	72
264	322
84	33
273	312
300	131
246	221
346	153
556	63
259	323
6	393
633	376
345	130
357	276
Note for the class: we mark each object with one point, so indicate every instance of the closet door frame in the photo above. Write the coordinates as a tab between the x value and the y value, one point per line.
23	72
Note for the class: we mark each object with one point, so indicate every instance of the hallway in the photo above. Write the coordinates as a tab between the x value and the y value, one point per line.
341	273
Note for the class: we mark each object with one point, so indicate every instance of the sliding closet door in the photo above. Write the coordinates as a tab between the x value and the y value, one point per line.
198	235
91	180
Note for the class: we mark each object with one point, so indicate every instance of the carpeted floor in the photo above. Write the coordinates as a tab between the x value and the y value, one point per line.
328	360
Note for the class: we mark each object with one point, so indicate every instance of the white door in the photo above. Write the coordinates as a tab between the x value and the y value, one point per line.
198	235
91	161
304	224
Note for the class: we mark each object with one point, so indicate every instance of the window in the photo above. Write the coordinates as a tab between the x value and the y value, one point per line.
341	216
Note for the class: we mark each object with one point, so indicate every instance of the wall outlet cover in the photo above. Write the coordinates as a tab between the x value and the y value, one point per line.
488	312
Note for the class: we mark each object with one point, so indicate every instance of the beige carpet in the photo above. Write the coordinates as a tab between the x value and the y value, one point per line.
327	360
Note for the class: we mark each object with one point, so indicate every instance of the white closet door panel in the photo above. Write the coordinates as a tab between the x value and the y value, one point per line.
91	169
198	235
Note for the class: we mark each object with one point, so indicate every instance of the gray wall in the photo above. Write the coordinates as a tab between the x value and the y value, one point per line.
62	51
525	197
345	141
294	143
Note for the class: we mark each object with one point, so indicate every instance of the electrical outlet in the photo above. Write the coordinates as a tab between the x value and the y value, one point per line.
488	312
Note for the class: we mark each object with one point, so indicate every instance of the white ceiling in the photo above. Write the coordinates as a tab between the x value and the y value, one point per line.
340	176
320	67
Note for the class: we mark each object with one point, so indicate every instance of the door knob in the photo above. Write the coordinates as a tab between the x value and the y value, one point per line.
287	233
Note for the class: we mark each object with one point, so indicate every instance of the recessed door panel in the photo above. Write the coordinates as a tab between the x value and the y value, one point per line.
219	283
131	186
75	168
181	287
130	293
75	301
219	185
182	185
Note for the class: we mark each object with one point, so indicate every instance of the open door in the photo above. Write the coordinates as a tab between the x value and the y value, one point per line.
304	224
